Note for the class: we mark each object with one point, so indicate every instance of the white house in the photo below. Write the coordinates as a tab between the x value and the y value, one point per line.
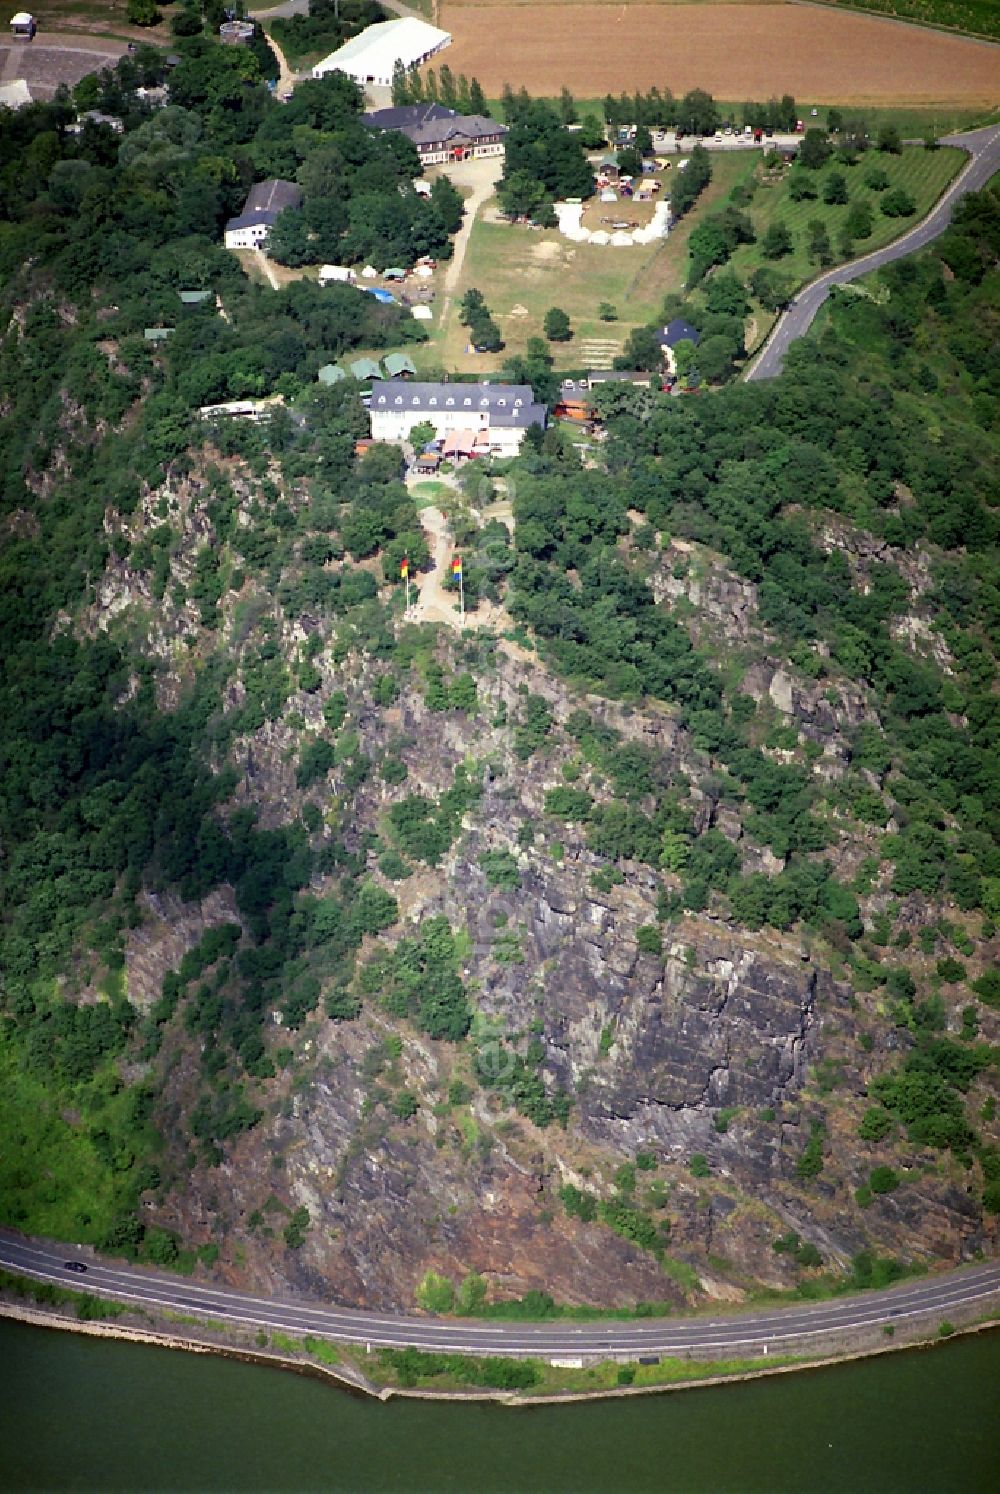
497	415
371	57
265	201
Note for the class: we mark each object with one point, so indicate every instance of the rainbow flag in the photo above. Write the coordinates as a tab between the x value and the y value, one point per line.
404	568
456	568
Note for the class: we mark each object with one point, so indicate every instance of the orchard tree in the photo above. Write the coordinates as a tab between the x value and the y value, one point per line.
777	241
859	220
898	204
820	249
835	189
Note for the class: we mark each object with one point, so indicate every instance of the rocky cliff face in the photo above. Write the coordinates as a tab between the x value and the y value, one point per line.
714	1060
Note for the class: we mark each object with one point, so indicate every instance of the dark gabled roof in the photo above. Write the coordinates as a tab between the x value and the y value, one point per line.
272	196
466	127
677	331
265	201
406	117
433	124
251	220
495	400
525	415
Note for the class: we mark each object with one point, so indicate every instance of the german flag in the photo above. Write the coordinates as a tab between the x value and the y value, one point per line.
404	568
456	568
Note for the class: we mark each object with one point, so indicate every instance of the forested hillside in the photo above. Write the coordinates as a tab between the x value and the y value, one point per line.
643	944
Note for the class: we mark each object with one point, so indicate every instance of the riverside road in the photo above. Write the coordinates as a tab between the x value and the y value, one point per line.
984	159
742	1333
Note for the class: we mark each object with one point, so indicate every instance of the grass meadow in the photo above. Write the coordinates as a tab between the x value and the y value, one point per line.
922	173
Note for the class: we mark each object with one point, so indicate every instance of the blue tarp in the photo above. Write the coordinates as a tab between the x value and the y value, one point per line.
386	297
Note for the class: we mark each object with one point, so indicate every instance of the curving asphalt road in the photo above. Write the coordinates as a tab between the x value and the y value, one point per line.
984	159
751	1333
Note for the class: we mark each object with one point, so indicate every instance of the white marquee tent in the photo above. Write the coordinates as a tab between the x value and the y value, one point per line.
371	57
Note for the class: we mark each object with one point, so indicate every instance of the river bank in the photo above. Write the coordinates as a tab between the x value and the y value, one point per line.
355	1369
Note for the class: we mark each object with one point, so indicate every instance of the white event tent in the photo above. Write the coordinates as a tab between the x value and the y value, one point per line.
371	57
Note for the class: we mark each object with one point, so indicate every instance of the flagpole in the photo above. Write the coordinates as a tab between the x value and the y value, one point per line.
461	592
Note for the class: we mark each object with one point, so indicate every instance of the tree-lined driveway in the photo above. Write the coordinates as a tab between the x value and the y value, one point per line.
984	160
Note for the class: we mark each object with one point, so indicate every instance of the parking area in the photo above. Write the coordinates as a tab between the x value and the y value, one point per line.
44	64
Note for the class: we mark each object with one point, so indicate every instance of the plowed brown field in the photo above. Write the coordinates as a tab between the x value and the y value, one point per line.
735	51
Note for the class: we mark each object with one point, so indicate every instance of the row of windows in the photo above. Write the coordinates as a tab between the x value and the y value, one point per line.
484	404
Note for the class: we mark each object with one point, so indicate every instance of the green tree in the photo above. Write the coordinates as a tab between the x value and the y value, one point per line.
777	241
883	1180
144	13
835	189
400	85
771	290
436	1293
557	325
819	242
898	204
801	186
815	150
876	1124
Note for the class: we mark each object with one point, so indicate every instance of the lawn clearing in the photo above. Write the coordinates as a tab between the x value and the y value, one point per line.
922	173
734	51
522	273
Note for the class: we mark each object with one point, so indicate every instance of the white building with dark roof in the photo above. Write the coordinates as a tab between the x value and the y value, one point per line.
441	134
370	58
265	202
498	413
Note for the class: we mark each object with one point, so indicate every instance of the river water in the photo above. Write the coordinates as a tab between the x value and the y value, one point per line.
78	1413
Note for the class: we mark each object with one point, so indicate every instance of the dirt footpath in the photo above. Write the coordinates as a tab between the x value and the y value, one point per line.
482	177
734	51
437	600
